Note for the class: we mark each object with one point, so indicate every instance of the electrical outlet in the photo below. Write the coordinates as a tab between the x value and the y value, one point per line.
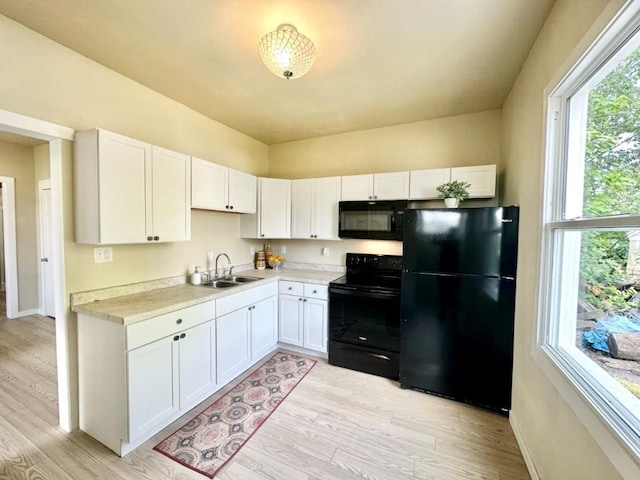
283	249
325	251
252	251
102	254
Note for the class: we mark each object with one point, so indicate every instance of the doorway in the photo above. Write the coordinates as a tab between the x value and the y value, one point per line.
59	154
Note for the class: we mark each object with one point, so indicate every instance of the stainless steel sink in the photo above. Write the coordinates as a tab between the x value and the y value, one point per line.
220	284
244	279
230	282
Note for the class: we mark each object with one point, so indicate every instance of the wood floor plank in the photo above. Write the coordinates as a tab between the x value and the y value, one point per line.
336	425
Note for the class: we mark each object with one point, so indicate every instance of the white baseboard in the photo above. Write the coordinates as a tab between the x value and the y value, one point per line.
26	313
523	446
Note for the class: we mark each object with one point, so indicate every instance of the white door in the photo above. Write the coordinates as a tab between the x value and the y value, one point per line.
357	187
152	385
122	173
424	183
196	374
233	352
208	185
275	208
171	196
301	208
243	191
264	327
391	186
46	254
315	324
325	213
291	324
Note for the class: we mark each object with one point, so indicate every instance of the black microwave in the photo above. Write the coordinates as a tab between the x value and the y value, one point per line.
378	220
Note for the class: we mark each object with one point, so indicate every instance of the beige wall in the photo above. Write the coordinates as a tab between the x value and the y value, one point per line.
17	161
462	140
42	79
561	447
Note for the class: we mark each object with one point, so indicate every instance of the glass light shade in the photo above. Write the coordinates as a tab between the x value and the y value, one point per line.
287	52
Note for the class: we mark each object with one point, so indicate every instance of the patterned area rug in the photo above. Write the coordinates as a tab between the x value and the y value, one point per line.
213	437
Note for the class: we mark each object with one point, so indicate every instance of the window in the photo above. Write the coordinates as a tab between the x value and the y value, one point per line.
590	294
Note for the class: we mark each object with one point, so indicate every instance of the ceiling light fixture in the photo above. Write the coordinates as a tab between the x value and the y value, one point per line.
287	52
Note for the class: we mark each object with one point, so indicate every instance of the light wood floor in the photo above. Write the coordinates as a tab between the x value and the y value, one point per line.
337	424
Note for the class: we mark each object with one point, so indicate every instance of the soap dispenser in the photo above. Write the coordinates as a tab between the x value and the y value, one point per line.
196	277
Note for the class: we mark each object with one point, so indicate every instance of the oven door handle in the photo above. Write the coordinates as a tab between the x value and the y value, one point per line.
357	292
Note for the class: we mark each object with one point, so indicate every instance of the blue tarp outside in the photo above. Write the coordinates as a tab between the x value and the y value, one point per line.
597	338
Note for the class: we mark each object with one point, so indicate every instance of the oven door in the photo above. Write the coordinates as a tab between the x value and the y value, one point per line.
365	317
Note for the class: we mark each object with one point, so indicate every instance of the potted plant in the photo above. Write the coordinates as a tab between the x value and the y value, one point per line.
453	192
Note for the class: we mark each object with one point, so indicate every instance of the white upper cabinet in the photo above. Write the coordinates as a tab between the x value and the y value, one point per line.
423	183
214	187
377	186
482	179
209	185
171	192
127	191
273	217
314	208
243	188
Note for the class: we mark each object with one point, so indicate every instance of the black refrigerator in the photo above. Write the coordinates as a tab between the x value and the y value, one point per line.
458	300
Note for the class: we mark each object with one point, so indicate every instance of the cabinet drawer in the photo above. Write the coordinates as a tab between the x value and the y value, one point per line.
161	326
315	290
291	288
238	300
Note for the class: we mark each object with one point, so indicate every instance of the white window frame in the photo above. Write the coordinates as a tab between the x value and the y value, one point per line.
600	402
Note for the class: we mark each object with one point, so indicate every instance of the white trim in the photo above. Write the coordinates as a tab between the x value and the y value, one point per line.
10	245
65	373
32	127
528	461
26	313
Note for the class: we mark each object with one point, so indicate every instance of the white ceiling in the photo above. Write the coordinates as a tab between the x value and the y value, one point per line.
379	63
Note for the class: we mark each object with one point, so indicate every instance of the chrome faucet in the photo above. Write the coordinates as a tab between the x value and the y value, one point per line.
228	263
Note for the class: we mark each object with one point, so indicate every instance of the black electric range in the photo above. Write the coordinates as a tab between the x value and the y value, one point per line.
365	315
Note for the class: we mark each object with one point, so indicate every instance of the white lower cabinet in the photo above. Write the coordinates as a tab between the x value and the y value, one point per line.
136	379
246	329
303	315
169	375
234	349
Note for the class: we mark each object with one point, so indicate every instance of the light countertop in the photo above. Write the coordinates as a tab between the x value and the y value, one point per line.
132	308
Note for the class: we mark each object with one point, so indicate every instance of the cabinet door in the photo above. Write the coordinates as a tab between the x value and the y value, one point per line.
233	354
291	320
170	196
152	385
325	212
423	183
275	208
196	374
315	324
391	186
122	176
357	187
482	179
302	196
264	327
208	185
242	192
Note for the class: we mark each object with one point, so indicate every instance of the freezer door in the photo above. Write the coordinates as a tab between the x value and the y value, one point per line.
457	337
474	241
